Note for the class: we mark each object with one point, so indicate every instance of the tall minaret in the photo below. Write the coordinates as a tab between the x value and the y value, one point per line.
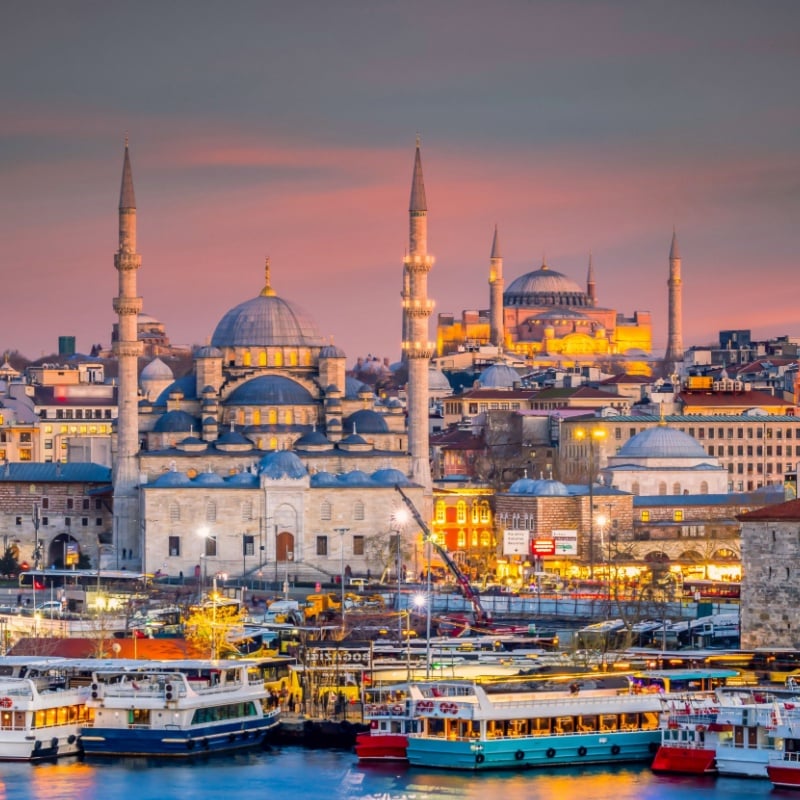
416	347
127	535
496	284
405	296
674	352
591	291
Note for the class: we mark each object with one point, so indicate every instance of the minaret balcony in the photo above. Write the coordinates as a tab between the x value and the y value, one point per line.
128	349
419	349
418	263
125	306
418	308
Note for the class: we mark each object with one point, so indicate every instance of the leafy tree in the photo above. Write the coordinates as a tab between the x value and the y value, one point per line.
8	563
208	626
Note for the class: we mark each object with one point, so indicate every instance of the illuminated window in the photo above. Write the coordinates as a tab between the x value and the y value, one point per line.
262	359
677	515
256	416
279	358
462	538
246	358
461	512
272	417
475	513
440	512
484	513
47	428
645	516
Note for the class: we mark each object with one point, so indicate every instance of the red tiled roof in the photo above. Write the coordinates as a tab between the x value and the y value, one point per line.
789	510
748	398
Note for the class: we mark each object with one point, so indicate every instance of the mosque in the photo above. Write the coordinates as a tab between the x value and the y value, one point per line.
265	453
547	318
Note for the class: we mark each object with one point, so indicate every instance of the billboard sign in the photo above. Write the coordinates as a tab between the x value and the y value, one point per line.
566	542
515	542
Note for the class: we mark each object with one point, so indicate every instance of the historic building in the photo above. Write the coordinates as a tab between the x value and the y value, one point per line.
265	453
547	318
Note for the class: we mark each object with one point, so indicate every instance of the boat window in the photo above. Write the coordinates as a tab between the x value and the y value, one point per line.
649	720
540	726
629	722
609	722
564	725
587	723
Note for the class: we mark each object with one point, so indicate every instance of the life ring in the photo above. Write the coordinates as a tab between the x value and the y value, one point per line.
424	706
37	745
614	749
6	702
54	742
71	738
480	758
448	708
551	753
397	709
382	709
519	755
581	751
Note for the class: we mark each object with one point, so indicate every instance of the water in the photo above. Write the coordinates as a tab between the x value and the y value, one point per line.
298	774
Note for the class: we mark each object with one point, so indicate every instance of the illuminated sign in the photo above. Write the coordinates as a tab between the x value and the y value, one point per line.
566	542
543	547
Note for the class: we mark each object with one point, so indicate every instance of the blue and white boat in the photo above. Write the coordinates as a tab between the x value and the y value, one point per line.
178	709
468	725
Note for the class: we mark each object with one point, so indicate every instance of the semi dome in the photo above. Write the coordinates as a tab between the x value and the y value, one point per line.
274	390
282	464
499	376
366	421
187	386
661	442
176	421
267	321
544	287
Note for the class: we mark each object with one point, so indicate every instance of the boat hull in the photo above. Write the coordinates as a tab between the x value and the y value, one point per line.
685	760
743	762
176	743
786	776
533	752
381	747
40	744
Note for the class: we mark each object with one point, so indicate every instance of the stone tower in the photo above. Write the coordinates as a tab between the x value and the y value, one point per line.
591	289
496	285
417	350
674	352
127	536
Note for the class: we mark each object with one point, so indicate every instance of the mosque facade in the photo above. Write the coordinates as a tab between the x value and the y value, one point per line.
547	318
265	456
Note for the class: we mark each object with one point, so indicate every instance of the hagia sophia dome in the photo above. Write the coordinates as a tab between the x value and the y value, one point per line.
545	287
267	321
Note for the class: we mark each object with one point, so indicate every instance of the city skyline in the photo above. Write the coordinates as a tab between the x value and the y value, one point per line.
576	127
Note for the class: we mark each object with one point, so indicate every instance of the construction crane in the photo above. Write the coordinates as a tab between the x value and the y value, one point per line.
480	615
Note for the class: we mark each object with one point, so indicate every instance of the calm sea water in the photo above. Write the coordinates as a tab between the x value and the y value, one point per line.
298	774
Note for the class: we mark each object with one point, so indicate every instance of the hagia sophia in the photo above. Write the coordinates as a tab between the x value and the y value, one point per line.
547	318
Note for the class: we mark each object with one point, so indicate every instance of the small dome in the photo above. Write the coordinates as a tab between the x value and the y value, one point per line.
324	479
355	478
157	370
390	477
208	479
332	351
187	386
353	387
191	444
499	376
275	390
661	442
551	488
353	438
233	437
282	464
524	486
172	478
266	321
176	422
242	479
437	381
208	352
313	439
366	421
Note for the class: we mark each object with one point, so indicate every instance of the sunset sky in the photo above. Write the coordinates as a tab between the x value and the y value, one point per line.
287	129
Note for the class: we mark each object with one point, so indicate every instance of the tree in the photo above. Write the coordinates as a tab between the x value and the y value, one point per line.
208	626
381	550
9	565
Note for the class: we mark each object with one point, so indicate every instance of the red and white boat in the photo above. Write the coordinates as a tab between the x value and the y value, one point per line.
783	767
689	737
389	713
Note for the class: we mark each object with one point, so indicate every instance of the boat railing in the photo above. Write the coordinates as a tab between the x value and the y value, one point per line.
790	756
141	688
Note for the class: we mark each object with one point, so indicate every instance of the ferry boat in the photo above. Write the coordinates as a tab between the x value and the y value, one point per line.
562	721
783	766
390	717
689	736
42	707
178	709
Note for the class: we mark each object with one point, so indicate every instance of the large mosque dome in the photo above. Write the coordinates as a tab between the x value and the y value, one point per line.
267	321
544	287
662	442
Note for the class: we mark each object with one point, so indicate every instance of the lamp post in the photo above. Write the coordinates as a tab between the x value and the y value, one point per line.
342	532
36	553
594	435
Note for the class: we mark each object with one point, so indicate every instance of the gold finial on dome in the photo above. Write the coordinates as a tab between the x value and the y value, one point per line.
267	291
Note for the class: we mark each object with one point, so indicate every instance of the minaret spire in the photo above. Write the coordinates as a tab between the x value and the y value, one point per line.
128	348
417	350
591	290
496	284
674	352
267	291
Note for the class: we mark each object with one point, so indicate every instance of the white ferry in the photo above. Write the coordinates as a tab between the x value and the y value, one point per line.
42	706
178	709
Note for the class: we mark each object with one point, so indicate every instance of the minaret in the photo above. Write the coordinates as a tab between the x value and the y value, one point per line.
127	535
416	347
591	291
496	284
674	352
405	295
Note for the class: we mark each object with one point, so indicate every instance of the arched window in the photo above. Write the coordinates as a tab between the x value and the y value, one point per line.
486	538
441	513
635	488
272	418
279	358
256	416
704	487
292	358
474	538
262	358
484	513
676	488
462	538
662	487
273	443
475	514
246	358
240	416
461	512
288	416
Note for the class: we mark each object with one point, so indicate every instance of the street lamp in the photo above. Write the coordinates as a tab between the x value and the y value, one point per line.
419	601
594	435
342	532
205	535
36	553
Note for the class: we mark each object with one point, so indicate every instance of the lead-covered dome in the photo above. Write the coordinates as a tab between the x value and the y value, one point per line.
544	287
274	390
662	442
267	321
499	376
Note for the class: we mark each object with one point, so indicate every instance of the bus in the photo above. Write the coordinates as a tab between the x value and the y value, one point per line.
711	590
86	589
